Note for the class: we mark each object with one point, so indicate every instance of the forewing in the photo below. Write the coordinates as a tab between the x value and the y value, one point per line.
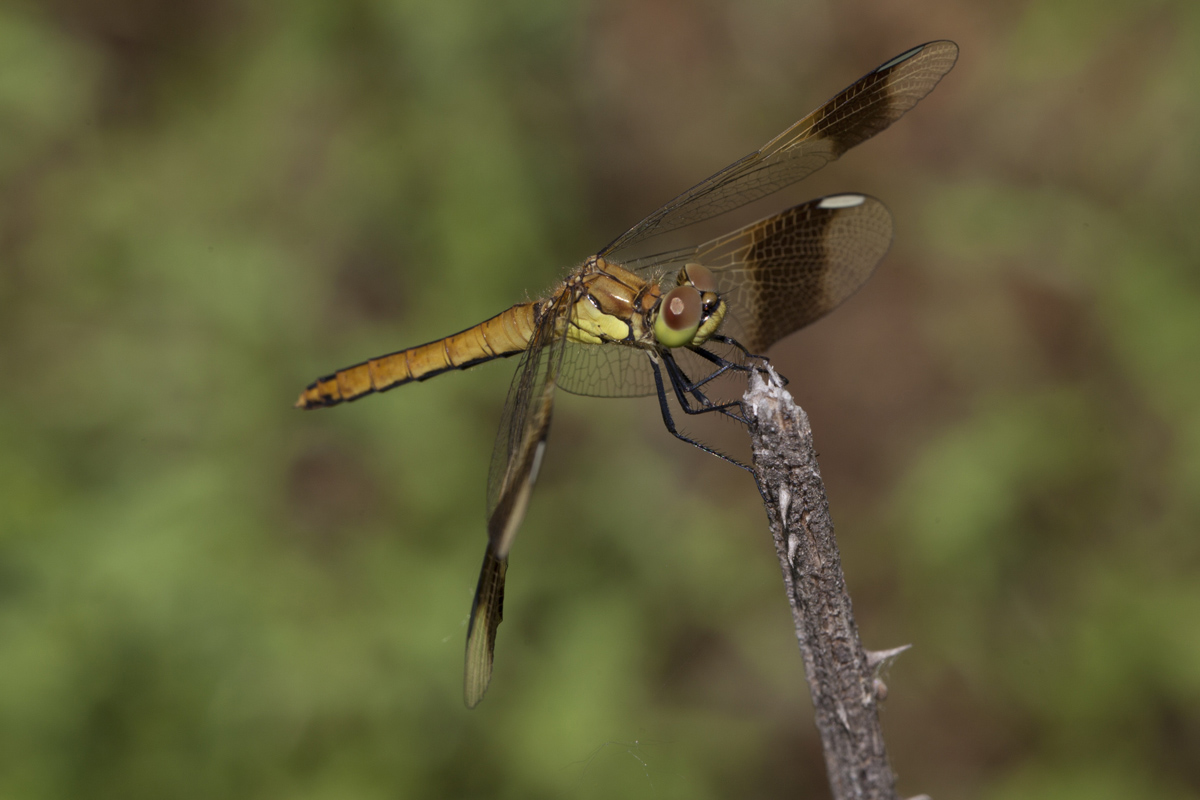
857	113
515	461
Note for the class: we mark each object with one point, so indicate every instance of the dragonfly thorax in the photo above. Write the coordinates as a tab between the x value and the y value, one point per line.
611	304
615	305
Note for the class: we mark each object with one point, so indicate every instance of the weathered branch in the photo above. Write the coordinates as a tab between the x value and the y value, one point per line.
842	677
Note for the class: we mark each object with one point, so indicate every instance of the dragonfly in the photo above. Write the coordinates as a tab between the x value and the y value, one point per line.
625	326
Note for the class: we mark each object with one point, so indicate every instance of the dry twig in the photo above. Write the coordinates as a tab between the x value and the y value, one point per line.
842	676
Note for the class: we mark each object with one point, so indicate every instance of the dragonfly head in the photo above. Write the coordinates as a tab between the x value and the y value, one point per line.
692	311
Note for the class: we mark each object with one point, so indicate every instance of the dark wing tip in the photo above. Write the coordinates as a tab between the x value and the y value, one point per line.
487	609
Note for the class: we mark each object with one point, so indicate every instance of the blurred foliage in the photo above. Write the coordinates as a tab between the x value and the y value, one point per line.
204	205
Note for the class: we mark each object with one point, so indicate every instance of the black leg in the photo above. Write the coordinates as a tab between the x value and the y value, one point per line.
681	384
746	353
723	366
670	423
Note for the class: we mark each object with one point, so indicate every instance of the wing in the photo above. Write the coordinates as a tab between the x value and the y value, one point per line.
613	370
860	111
788	270
777	275
605	370
515	461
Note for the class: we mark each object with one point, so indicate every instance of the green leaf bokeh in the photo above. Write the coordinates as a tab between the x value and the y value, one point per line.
205	593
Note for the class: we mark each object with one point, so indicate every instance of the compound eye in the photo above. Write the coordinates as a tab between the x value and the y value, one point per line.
699	276
678	317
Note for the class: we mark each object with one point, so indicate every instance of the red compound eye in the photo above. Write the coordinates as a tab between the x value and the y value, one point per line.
699	276
678	317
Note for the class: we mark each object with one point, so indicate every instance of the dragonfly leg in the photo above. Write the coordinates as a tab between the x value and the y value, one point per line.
670	422
681	384
729	340
723	366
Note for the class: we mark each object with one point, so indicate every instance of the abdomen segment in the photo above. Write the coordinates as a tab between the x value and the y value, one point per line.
505	334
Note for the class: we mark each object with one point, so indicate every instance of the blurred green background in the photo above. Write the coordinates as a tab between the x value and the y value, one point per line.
204	204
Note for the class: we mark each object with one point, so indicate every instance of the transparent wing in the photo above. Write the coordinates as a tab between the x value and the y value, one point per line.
606	370
611	370
515	461
526	416
777	275
857	113
788	270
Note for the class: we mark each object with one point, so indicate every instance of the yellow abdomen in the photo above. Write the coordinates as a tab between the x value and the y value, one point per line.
505	334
